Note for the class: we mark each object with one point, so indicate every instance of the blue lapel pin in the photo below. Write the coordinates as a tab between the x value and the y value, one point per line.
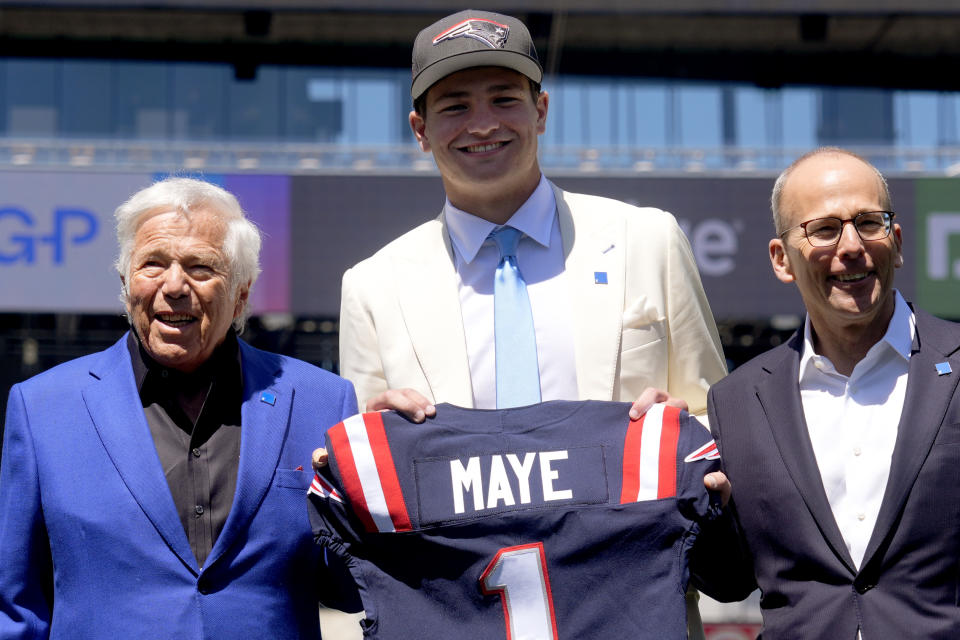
599	277
943	368
268	398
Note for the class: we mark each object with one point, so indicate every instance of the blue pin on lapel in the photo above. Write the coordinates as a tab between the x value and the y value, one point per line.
268	398
943	368
599	277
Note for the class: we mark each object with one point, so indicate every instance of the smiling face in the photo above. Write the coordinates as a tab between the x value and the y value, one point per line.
482	125
848	285
180	299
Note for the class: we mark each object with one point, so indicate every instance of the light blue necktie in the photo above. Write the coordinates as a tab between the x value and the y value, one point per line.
518	375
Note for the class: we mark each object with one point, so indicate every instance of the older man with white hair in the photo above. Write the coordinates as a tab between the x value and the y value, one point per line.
156	489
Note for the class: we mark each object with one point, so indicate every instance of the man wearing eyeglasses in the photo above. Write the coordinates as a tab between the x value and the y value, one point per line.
843	445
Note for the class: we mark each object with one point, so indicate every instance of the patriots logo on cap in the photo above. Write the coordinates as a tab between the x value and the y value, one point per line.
493	34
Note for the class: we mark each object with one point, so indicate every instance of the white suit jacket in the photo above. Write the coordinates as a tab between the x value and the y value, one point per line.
649	325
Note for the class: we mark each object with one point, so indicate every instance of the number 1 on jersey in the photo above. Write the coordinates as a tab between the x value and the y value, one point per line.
519	576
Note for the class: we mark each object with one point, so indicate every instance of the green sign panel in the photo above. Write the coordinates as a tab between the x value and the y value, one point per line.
938	245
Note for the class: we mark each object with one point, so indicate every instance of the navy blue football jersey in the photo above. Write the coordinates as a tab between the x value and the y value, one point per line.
558	520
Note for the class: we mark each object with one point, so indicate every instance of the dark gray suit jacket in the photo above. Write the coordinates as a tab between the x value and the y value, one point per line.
909	583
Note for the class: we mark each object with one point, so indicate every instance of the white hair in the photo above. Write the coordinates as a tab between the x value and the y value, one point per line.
241	243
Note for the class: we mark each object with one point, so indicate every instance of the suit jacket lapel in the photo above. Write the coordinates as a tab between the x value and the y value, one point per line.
265	417
927	398
433	320
589	248
114	406
779	395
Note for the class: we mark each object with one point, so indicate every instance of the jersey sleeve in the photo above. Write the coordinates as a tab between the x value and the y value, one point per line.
335	526
337	532
359	491
697	455
720	564
330	518
355	497
666	453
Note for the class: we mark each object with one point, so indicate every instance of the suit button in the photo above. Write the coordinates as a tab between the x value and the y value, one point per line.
203	586
863	588
198	509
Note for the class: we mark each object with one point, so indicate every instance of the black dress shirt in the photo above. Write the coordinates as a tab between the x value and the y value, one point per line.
194	419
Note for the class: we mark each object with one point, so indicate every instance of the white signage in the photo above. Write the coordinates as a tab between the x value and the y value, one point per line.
57	240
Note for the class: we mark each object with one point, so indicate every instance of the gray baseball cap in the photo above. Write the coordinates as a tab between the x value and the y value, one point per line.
472	39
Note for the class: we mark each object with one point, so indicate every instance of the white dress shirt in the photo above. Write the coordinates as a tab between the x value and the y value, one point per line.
853	424
540	259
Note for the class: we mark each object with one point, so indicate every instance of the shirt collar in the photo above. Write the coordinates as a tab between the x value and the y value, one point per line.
899	337
223	363
534	218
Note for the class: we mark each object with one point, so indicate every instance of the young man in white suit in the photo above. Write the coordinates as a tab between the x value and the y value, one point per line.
616	298
617	303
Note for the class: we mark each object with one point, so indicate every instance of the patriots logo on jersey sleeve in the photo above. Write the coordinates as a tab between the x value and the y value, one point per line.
322	489
368	473
493	34
708	451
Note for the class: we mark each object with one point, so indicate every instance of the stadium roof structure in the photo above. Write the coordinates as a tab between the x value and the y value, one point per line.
910	44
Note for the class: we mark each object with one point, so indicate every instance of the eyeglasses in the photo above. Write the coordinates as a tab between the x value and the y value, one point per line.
826	232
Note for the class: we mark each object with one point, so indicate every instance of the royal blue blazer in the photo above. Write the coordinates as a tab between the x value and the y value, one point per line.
90	542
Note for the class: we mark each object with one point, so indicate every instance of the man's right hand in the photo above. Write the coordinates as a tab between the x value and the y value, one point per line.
410	403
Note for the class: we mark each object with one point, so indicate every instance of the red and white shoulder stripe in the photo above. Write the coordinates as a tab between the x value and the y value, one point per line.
369	475
650	455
